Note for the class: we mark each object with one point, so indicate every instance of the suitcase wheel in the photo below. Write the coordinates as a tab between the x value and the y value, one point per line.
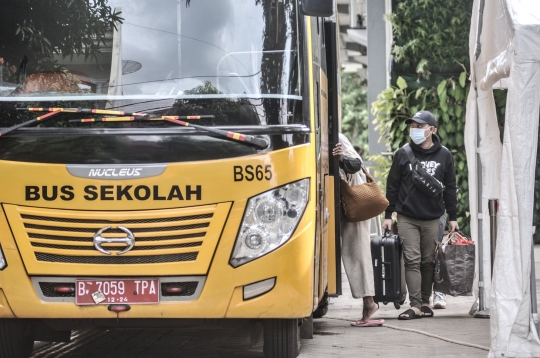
397	305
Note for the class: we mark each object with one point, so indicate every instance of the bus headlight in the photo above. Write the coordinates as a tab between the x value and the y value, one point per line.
269	221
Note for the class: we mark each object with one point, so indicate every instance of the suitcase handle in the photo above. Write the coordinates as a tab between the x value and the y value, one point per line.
387	272
386	263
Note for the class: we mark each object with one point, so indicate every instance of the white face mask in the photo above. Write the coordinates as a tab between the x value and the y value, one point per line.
417	135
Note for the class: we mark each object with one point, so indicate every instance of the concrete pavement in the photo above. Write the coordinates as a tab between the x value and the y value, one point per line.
335	337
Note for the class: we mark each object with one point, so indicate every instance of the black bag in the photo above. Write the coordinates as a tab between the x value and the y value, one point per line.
454	269
426	183
388	270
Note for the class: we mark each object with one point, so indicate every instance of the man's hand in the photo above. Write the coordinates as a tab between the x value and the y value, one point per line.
387	225
338	152
454	226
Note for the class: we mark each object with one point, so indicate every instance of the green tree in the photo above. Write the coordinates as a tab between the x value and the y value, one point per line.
354	119
430	35
37	30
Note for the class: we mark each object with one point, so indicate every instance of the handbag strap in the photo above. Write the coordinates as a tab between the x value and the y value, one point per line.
410	154
362	168
369	177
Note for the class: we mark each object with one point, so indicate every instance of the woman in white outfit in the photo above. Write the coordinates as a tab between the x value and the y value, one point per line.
355	237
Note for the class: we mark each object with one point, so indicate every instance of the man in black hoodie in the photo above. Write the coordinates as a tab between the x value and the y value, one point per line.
418	214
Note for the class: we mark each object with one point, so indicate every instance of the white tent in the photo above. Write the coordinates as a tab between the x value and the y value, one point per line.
509	56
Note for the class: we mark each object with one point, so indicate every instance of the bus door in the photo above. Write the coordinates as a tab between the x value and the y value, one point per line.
324	212
332	191
314	34
325	187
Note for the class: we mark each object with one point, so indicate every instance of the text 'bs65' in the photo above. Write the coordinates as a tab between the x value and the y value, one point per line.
250	172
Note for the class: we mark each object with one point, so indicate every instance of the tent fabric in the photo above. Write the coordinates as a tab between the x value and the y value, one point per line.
510	47
481	122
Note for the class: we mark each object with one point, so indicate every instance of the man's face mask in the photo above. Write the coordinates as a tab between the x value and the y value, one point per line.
417	135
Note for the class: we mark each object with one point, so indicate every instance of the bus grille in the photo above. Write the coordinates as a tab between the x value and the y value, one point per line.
61	237
116	260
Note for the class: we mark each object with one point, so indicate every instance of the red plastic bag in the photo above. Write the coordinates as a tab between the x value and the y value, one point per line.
456	238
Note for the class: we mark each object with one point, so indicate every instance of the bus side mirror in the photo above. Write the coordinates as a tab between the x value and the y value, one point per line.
321	8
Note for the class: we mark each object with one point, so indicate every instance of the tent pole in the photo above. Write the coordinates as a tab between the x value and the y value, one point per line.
483	312
493	205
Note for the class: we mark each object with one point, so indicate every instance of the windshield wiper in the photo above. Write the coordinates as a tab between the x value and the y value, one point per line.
244	138
55	111
84	110
138	119
136	116
27	123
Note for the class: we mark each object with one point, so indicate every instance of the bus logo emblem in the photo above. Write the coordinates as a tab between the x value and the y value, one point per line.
129	241
115	171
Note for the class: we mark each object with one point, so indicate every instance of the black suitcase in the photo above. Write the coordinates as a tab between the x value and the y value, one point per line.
388	270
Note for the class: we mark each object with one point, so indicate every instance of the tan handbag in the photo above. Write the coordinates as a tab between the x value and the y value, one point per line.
364	201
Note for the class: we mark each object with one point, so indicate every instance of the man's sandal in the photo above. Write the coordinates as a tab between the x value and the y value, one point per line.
411	315
427	312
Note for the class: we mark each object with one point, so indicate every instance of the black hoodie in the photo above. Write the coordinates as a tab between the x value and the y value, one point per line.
406	199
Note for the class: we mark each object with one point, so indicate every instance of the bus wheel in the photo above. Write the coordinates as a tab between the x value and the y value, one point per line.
281	338
16	338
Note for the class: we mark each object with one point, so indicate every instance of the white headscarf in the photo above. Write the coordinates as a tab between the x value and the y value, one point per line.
348	150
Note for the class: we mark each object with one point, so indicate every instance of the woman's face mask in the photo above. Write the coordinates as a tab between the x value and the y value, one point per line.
418	135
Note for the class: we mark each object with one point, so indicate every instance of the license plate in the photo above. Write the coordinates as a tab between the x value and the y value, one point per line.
92	292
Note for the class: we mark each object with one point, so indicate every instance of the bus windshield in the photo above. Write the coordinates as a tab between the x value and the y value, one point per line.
235	61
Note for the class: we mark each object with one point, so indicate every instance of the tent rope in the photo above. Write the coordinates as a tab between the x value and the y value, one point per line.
423	333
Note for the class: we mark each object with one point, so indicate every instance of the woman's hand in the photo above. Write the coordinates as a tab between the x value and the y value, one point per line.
454	226
338	152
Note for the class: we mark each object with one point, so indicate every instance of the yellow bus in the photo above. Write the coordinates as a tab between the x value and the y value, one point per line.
165	162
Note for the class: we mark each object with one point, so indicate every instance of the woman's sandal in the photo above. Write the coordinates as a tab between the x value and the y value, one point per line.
373	323
411	315
427	312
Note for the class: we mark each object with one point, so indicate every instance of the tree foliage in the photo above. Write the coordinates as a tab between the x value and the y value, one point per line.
354	119
430	34
38	30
